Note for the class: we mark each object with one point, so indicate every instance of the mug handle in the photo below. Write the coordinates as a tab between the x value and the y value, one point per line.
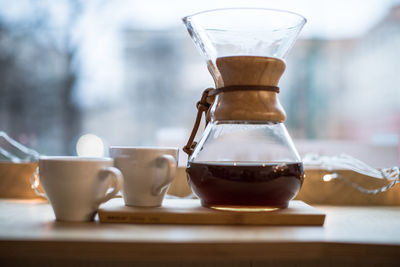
35	181
171	165
116	182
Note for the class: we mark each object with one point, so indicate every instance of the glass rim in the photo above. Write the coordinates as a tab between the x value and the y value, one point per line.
145	148
301	17
75	158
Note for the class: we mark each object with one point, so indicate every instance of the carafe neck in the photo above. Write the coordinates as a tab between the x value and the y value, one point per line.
246	102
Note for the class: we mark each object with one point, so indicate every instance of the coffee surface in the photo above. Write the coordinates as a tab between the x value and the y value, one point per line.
245	184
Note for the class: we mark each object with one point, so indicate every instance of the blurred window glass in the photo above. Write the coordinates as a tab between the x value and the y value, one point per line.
100	73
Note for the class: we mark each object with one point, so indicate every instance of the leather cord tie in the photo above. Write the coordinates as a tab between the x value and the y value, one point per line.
234	88
203	106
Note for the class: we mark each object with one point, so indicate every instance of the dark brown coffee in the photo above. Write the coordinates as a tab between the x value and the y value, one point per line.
245	184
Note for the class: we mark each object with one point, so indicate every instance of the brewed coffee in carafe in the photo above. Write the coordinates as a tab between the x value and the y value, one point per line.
245	159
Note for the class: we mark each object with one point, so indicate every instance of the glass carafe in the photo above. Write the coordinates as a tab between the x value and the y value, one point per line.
245	159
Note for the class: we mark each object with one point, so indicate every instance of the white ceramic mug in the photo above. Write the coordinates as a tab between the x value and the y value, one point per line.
76	186
148	173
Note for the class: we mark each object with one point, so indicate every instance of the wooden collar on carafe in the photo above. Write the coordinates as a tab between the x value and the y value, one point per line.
247	91
248	72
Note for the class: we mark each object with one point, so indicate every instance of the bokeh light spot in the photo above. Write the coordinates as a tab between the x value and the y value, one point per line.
90	145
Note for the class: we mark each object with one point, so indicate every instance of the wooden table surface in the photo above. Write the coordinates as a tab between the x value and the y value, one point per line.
362	235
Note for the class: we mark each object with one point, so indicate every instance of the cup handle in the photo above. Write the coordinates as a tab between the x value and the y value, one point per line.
171	164
116	182
35	181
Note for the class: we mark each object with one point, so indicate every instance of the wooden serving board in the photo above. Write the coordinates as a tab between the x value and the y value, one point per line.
190	211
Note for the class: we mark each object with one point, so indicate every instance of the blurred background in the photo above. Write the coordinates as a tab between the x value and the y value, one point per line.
78	76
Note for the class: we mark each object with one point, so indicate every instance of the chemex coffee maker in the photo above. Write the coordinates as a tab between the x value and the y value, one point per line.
245	160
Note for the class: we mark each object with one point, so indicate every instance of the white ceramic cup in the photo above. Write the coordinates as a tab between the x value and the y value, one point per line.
76	186
148	173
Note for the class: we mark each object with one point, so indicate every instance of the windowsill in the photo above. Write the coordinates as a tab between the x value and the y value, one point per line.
29	234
